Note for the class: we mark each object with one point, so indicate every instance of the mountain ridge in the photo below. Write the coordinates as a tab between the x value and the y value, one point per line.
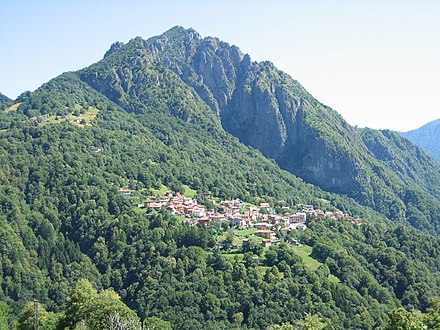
4	101
268	110
427	137
134	121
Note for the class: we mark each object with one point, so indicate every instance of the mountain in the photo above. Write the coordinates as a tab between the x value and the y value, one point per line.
427	137
267	110
164	113
4	101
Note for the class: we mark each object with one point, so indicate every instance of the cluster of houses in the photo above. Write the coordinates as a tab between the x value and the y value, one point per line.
239	214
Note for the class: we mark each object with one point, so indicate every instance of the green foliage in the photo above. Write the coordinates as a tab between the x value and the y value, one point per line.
97	310
5	314
400	319
71	240
155	323
426	137
4	102
46	320
310	322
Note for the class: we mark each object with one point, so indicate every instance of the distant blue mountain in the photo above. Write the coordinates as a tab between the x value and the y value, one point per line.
427	137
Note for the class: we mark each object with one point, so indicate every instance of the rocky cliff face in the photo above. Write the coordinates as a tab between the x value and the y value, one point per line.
263	107
255	102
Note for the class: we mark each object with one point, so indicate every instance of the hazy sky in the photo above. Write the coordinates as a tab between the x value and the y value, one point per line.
375	62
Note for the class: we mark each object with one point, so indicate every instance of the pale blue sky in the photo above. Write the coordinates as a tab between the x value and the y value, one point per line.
375	62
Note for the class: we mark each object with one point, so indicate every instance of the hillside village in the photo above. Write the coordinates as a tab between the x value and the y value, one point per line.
239	215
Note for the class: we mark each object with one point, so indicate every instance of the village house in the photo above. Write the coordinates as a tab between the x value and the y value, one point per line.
153	205
237	221
301	226
218	217
204	222
190	222
339	215
230	209
266	242
285	230
329	215
254	211
262	225
357	221
298	218
294	242
204	196
125	191
273	218
180	209
264	206
198	212
284	221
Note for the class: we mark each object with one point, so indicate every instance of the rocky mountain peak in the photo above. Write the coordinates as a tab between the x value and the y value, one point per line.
113	48
264	108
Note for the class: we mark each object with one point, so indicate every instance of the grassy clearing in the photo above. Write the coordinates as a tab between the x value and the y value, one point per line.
180	218
232	256
13	107
304	251
161	191
81	120
246	232
188	192
141	210
84	119
242	234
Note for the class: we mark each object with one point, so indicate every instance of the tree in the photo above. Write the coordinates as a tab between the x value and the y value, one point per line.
238	319
78	303
5	312
310	322
401	319
46	320
284	326
106	308
227	243
97	310
115	322
155	323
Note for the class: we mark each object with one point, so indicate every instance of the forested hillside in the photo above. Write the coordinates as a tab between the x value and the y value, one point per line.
268	110
4	101
427	137
93	259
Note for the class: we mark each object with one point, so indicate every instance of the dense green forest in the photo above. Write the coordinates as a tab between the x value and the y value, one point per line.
426	137
71	241
4	101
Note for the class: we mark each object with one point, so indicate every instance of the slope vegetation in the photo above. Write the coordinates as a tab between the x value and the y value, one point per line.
427	137
67	234
269	111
